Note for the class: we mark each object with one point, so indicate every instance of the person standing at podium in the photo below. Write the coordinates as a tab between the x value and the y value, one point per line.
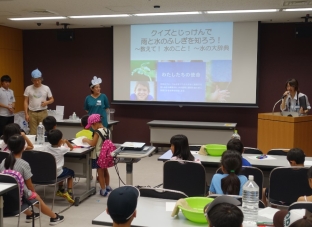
290	99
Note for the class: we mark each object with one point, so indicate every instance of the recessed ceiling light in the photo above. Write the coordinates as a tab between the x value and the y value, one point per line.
99	16
244	11
36	18
298	9
166	14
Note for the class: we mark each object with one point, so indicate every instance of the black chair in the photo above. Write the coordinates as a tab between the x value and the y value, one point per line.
252	150
12	205
161	193
301	205
185	176
43	168
287	184
195	147
256	172
3	155
278	152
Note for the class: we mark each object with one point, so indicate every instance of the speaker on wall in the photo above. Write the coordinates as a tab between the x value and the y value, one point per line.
65	35
303	31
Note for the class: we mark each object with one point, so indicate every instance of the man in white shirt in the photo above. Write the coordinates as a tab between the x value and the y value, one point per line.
7	103
36	99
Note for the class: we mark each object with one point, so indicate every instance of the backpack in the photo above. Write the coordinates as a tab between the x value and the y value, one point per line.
105	160
19	178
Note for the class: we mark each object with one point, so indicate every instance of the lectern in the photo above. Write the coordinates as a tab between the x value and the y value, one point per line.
276	131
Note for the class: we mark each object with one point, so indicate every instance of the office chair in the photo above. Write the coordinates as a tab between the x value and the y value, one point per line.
161	193
252	150
279	151
301	205
3	155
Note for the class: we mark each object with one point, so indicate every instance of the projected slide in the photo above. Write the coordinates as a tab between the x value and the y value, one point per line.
185	62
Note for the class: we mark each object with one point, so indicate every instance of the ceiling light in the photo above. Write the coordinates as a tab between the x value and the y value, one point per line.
298	9
37	18
166	14
244	11
99	16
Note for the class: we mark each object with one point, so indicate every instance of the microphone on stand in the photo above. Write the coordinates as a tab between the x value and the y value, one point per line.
276	103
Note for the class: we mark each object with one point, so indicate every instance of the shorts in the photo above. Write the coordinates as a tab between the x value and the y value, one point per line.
33	196
94	164
67	172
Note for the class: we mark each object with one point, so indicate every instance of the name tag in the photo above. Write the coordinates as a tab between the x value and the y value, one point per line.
98	102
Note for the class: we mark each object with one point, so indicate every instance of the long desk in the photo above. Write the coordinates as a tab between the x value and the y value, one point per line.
78	160
196	132
4	187
152	212
212	163
265	164
129	157
69	128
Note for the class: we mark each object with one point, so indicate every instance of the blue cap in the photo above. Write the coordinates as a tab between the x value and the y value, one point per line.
36	74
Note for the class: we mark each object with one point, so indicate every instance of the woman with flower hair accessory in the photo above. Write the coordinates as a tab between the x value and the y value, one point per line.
229	183
97	103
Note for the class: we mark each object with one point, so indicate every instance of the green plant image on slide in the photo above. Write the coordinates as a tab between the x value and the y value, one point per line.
143	70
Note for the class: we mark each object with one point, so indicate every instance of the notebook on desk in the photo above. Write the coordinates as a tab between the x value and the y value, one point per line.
132	146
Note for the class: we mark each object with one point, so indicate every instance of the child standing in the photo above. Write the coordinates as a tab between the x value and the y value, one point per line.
229	182
84	132
16	145
180	149
95	122
58	151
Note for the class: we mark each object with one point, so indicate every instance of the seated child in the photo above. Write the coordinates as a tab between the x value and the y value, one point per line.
10	130
292	218
307	198
295	157
237	145
95	122
180	149
223	211
229	182
16	145
49	123
84	132
121	205
58	150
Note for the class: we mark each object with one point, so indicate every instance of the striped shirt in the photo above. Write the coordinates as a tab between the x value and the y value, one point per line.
23	168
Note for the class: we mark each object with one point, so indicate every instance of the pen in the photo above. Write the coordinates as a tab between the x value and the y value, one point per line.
80	147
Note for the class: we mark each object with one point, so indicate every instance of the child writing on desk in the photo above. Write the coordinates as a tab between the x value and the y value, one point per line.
58	150
229	183
180	149
84	132
95	122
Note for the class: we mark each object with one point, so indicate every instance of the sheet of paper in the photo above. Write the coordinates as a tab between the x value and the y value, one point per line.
268	212
78	142
268	157
170	206
308	163
60	110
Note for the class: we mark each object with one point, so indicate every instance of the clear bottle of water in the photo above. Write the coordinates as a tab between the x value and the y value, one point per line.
250	201
235	135
74	116
40	134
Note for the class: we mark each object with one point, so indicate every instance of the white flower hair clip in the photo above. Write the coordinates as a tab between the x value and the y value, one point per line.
95	81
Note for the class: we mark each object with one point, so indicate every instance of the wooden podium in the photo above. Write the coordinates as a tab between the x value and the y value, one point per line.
276	131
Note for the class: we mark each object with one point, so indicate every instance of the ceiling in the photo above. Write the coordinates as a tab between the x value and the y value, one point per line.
39	8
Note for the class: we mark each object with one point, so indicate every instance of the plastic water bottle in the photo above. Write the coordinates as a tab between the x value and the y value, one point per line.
40	134
74	116
235	135
250	201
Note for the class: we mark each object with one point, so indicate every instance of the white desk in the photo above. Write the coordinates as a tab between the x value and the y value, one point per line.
4	187
152	212
78	160
129	157
269	163
196	132
69	128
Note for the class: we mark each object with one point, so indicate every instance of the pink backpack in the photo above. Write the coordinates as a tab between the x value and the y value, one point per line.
19	178
105	160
